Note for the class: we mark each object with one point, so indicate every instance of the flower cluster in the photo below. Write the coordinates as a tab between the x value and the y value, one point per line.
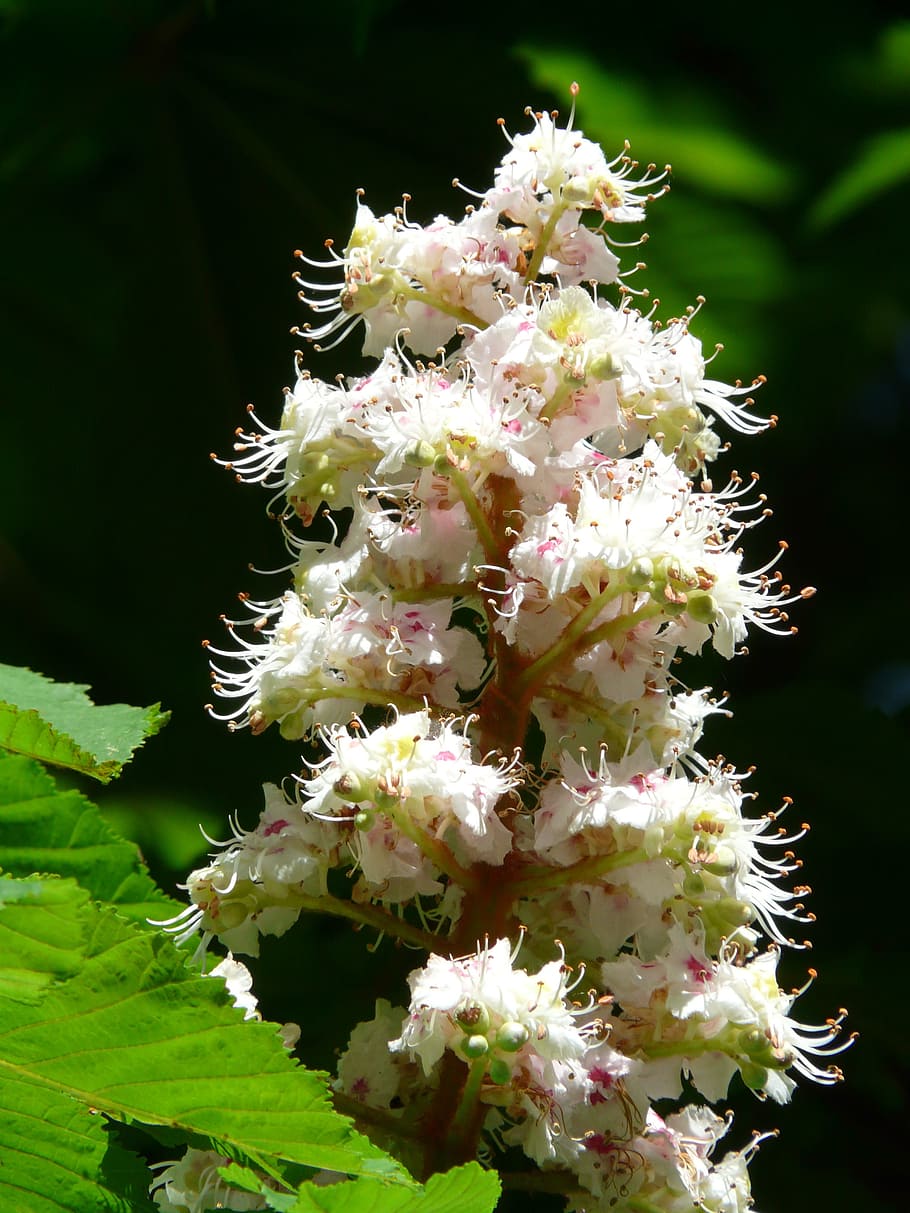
524	543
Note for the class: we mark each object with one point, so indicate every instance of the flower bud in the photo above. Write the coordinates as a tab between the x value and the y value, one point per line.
640	572
511	1036
755	1077
474	1046
753	1041
701	607
737	913
604	366
500	1072
421	454
693	885
722	862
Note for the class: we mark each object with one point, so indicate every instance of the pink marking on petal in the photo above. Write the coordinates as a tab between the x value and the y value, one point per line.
598	1143
696	970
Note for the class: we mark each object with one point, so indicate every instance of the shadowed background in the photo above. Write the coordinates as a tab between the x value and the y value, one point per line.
161	161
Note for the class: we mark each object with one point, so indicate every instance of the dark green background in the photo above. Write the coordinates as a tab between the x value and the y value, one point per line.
159	164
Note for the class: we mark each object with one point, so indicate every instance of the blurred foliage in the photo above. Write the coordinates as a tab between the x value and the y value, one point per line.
160	160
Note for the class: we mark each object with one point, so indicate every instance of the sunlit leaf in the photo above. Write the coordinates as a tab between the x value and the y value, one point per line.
138	1034
56	1155
467	1189
56	722
44	829
42	910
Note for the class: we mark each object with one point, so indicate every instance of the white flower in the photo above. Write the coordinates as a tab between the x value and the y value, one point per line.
480	1006
249	888
192	1185
286	678
414	772
557	165
728	1015
403	646
369	1071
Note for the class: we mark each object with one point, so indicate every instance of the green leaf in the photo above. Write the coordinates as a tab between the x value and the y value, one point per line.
57	723
40	910
247	1180
57	1156
467	1189
883	163
43	829
137	1034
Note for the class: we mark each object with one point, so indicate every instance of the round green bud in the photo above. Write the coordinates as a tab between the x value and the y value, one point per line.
605	367
640	572
421	454
475	1046
723	862
755	1077
363	820
384	799
693	885
737	912
701	607
753	1041
511	1036
500	1072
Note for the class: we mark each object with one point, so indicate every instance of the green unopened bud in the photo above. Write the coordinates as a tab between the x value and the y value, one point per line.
753	1041
475	1046
386	800
693	885
755	1077
737	913
640	572
701	607
500	1072
363	820
722	863
511	1036
605	366
421	454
